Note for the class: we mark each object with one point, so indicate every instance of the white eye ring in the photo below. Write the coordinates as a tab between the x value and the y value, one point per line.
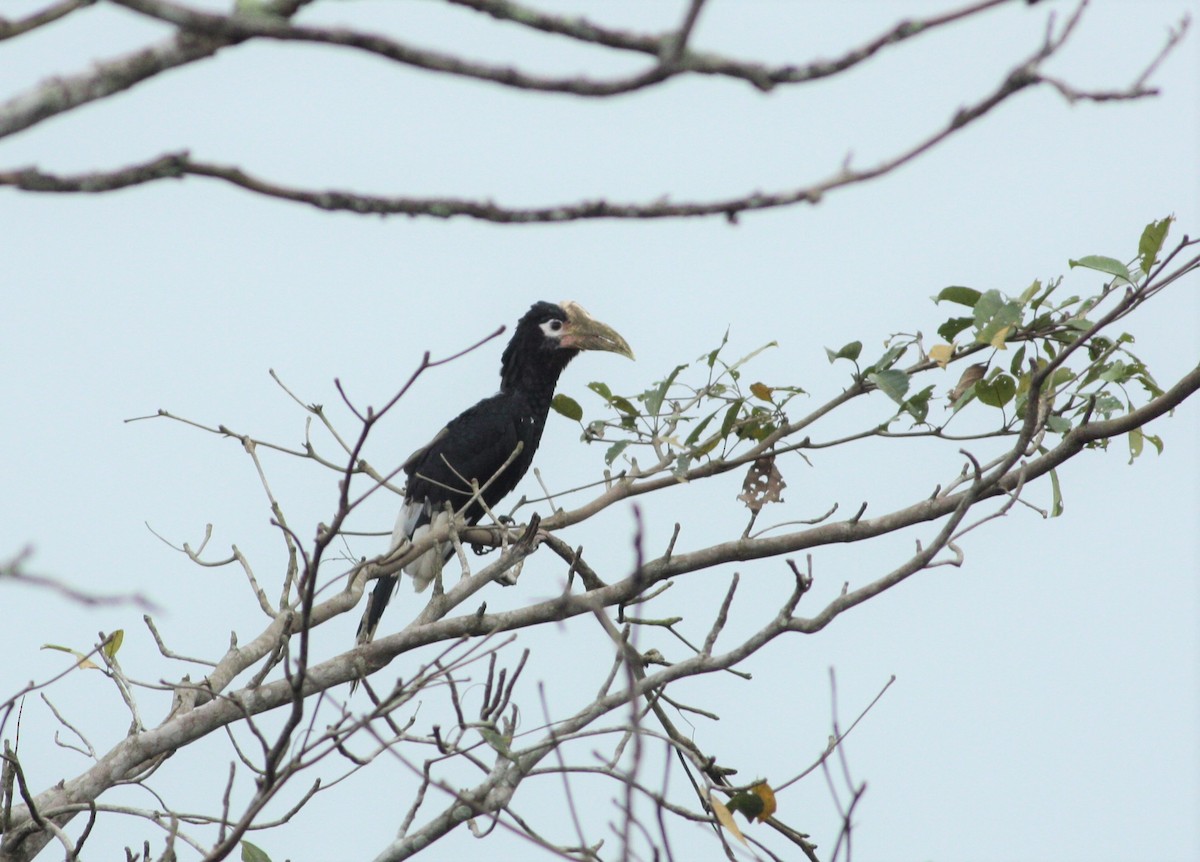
555	325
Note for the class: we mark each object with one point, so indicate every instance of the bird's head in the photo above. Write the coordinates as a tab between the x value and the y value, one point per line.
550	335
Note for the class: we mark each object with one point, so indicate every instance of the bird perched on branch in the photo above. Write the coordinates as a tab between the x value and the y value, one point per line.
490	445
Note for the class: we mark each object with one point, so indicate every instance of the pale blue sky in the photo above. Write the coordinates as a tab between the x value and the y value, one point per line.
1046	703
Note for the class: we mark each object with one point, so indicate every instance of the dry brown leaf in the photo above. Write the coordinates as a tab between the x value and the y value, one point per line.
972	374
764	484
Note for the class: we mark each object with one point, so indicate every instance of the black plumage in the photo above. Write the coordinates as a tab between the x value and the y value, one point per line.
492	443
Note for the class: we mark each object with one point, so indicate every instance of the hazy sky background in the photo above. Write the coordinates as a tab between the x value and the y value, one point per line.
1047	703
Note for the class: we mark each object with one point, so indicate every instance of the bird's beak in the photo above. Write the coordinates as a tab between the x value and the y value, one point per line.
584	332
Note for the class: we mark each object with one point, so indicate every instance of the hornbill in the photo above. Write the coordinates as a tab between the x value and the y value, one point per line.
491	444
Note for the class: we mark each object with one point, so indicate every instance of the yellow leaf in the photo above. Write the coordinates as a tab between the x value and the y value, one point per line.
998	340
725	818
114	642
761	390
941	353
764	792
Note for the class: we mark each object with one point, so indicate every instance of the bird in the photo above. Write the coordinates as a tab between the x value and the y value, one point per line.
490	444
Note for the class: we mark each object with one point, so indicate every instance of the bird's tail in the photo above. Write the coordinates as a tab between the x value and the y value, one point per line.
373	613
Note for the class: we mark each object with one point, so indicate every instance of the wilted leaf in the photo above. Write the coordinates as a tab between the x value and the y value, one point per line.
83	661
1100	263
1152	241
941	353
725	818
761	390
764	484
114	642
970	375
251	853
567	406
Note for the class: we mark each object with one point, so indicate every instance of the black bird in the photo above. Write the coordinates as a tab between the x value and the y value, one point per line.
491	443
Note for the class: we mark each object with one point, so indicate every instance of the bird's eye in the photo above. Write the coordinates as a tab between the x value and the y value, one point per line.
555	325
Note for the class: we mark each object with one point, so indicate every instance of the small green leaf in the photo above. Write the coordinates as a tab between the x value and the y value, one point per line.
251	853
892	383
614	451
1100	263
1152	241
850	351
954	326
967	296
567	406
601	389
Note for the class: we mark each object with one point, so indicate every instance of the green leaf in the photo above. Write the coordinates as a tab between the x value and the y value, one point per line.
731	417
114	642
892	383
622	404
653	398
601	389
252	853
917	406
567	406
850	351
1056	505
954	326
967	296
994	318
496	741
1155	441
1136	442
1017	360
1030	292
614	451
996	392
712	356
1152	241
1058	424
694	436
1100	263
888	359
